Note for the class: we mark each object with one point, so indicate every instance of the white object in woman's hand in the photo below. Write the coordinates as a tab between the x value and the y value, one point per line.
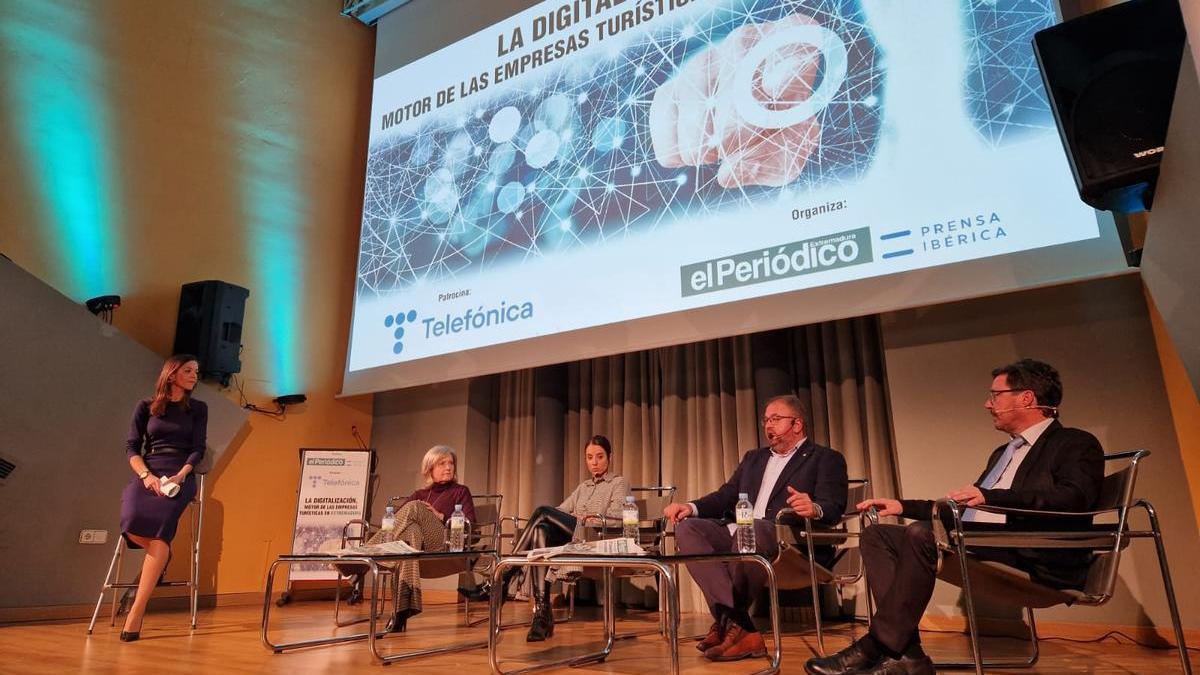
168	486
151	482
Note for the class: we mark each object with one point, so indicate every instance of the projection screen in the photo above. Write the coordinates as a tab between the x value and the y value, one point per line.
590	177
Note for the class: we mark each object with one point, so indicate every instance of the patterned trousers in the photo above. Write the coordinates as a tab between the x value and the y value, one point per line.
418	526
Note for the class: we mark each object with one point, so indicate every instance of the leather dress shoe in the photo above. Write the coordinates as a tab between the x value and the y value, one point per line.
739	643
716	635
852	659
905	665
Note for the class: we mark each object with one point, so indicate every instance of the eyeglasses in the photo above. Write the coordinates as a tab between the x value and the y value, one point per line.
768	421
993	393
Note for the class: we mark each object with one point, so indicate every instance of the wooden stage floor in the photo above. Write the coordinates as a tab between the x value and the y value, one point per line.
227	641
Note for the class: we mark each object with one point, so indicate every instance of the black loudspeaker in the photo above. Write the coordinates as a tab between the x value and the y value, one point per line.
210	326
1111	78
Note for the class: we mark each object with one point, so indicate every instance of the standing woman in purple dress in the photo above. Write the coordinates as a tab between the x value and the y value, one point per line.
166	440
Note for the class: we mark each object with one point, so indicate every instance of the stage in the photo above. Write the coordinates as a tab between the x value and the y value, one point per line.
227	640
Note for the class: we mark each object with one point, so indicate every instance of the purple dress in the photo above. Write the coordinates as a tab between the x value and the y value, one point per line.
166	443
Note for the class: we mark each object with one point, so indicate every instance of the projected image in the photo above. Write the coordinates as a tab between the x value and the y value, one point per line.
696	116
588	162
1002	86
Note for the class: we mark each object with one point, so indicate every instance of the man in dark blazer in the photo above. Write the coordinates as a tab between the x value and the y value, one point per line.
792	471
1044	466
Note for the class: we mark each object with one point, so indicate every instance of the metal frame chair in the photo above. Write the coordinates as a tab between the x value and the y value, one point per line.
1010	585
485	534
655	528
518	530
373	634
795	564
112	577
652	536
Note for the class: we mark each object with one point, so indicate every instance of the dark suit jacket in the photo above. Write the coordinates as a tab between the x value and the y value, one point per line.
815	469
1063	471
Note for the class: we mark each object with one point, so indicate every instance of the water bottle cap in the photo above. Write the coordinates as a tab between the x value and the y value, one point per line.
629	499
390	509
458	507
744	495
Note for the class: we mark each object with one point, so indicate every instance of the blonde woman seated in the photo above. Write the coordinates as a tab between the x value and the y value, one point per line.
421	523
602	493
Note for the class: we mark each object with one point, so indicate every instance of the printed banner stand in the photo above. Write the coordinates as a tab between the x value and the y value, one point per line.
333	490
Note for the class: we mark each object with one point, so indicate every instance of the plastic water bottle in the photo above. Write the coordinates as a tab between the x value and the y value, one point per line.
629	519
745	524
458	528
389	518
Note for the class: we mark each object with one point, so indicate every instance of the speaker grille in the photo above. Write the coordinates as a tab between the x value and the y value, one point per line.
209	325
1111	78
1118	116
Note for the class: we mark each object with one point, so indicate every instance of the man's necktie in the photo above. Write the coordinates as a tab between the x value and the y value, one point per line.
993	476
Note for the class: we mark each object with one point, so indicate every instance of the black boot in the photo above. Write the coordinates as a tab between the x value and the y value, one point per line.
481	593
399	622
506	580
542	626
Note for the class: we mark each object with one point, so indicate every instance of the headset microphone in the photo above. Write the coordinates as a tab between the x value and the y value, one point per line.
1053	409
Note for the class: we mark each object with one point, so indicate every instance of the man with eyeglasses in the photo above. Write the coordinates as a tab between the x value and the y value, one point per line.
1043	466
792	471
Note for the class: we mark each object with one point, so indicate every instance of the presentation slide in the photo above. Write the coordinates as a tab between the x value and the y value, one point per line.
591	162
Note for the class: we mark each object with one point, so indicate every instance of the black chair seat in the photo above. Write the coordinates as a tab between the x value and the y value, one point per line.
1000	583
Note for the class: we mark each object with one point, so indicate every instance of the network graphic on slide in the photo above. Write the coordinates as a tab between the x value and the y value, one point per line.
754	100
1002	85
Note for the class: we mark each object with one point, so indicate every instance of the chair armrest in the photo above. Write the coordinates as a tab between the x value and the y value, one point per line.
605	521
1009	510
363	535
787	517
1102	537
516	528
516	523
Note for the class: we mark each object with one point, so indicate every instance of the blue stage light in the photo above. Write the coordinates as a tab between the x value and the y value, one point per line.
53	84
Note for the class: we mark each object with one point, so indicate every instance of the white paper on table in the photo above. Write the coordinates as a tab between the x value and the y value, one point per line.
617	546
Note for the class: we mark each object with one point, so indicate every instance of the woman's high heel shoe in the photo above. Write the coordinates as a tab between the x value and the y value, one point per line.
130	635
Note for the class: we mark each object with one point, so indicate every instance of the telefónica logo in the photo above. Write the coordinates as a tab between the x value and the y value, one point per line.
398	320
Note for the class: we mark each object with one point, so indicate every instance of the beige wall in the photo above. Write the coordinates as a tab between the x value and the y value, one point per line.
209	140
1098	334
1185	406
1170	271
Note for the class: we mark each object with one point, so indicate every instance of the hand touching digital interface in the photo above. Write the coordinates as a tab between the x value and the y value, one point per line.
750	102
